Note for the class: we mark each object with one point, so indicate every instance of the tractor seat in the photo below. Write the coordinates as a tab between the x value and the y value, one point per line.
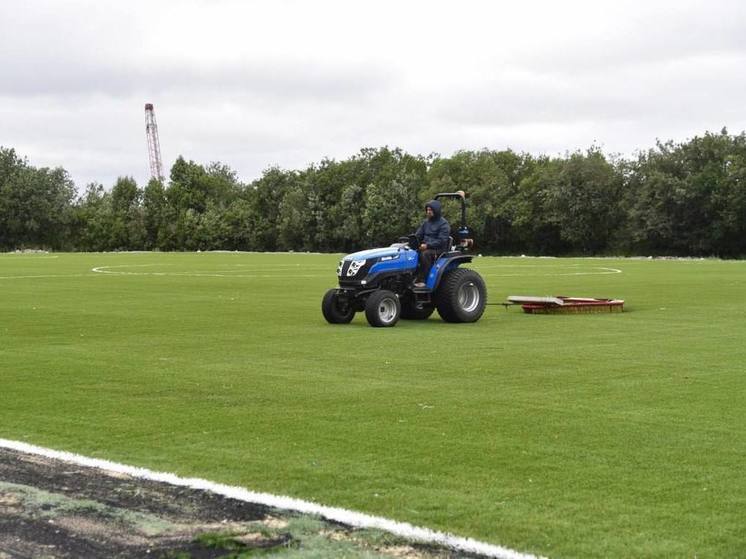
451	248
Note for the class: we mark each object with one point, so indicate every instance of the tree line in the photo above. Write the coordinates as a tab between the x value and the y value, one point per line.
683	199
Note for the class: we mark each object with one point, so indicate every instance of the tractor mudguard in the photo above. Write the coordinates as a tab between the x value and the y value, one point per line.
446	262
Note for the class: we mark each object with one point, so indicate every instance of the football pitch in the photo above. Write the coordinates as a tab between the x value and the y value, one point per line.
592	435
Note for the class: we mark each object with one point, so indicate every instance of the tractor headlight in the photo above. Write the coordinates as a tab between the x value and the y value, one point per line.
355	266
339	267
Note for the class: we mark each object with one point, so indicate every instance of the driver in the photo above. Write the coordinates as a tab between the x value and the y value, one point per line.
433	237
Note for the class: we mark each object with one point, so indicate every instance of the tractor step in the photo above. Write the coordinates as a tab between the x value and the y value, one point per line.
422	294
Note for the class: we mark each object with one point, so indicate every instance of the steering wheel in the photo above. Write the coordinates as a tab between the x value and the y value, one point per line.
411	241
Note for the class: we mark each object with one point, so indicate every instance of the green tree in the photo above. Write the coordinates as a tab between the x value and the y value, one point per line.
391	210
491	180
350	227
582	200
296	224
35	204
127	215
241	223
531	224
688	198
267	195
94	219
394	197
155	213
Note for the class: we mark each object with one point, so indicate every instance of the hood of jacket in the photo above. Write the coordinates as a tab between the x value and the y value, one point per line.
435	206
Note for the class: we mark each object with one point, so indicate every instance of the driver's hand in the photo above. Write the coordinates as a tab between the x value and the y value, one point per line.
423	246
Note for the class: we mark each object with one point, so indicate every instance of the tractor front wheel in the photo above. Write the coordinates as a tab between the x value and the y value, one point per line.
336	309
461	296
382	308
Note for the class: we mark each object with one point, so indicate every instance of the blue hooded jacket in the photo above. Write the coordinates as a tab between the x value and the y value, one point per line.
434	231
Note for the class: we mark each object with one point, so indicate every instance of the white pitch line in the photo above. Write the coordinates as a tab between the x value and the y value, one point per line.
109	270
281	273
45	276
207	275
24	256
606	271
349	517
548	266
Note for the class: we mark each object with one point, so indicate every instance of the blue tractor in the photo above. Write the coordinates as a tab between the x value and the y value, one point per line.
380	282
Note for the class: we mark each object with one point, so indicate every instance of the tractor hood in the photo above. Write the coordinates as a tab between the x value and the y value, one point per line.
363	266
373	253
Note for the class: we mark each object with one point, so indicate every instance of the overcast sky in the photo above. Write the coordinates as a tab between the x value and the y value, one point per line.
255	84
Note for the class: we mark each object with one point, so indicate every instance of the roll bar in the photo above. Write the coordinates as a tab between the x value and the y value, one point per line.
459	195
463	236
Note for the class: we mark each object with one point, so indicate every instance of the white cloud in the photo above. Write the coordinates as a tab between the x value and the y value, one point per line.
262	83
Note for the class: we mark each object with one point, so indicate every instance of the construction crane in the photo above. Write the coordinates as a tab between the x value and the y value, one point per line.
154	145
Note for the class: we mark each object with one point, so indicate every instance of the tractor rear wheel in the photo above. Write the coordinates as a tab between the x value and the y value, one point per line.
382	308
461	296
336	310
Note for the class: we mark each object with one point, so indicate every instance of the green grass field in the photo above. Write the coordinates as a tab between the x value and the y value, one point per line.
608	435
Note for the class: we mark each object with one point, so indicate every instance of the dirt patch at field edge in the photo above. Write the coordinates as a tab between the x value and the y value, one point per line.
54	509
